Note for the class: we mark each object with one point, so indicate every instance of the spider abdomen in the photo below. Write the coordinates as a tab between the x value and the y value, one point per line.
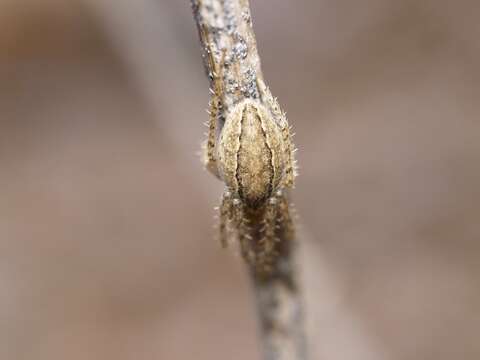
249	148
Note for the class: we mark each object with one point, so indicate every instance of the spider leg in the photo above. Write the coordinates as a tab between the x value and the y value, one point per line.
290	167
268	239
215	107
225	216
209	156
285	217
243	231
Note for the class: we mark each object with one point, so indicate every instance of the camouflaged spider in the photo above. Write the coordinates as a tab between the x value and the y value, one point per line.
249	148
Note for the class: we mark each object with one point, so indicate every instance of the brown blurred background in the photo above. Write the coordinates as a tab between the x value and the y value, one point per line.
107	246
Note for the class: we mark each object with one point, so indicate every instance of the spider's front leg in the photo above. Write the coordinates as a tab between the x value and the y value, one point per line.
243	229
285	217
268	241
231	211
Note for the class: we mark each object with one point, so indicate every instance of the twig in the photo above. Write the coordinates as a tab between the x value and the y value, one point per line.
225	28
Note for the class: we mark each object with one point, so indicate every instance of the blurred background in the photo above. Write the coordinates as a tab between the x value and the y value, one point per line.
107	245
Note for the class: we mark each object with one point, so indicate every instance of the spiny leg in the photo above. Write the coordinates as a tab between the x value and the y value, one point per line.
210	159
285	217
215	109
225	216
290	171
243	231
268	240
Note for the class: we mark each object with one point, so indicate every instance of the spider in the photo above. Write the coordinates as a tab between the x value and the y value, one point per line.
250	148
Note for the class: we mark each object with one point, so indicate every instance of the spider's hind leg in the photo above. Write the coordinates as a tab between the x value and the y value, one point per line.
290	166
214	111
210	160
226	214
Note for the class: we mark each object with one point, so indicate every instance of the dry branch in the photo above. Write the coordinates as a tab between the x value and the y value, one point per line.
229	48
